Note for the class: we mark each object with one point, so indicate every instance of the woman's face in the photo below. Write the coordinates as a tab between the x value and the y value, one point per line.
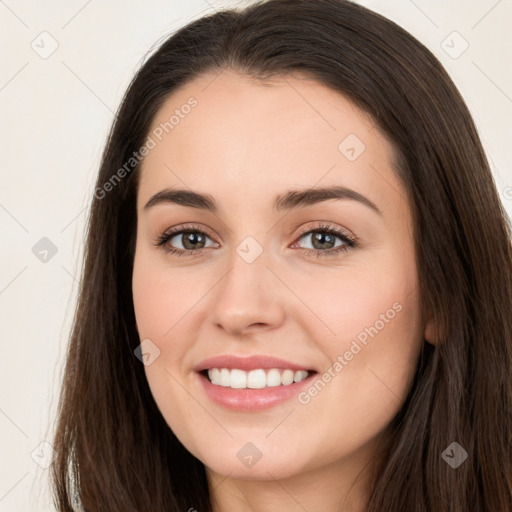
275	274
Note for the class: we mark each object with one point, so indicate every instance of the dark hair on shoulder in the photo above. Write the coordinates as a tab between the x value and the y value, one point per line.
114	450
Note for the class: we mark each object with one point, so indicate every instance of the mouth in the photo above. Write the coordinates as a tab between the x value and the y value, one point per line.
260	378
253	390
252	383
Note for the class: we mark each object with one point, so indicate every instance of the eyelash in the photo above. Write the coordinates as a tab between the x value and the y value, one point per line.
350	242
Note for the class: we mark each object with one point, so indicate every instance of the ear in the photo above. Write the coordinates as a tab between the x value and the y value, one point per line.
431	330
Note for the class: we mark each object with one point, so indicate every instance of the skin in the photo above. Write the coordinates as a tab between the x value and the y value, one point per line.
243	144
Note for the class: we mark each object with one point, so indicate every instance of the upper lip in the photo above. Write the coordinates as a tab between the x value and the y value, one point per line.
248	363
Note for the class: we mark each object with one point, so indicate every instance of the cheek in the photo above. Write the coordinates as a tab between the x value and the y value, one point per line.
373	339
360	305
159	296
160	314
371	364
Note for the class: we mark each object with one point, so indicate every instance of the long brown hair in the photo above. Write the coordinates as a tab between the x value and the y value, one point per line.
114	450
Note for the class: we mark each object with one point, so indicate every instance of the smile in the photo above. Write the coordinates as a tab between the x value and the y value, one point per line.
255	379
251	383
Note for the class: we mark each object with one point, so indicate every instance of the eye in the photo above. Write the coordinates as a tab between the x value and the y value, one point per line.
191	238
323	240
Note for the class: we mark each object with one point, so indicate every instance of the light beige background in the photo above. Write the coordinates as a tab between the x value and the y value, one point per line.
55	113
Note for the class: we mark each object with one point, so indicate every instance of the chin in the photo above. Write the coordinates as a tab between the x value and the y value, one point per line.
248	464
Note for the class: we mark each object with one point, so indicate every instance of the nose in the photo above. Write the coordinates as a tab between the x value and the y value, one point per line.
248	298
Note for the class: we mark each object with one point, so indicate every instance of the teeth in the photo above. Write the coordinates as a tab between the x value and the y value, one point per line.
224	378
255	379
238	379
273	378
287	377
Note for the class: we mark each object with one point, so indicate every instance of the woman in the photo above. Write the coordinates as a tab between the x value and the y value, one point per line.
297	284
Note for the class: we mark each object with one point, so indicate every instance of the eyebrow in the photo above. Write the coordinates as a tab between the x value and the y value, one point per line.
288	201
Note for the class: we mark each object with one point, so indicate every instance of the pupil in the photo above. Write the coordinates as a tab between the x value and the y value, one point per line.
191	239
323	238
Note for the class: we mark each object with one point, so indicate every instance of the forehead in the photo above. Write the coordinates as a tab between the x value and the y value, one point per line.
290	131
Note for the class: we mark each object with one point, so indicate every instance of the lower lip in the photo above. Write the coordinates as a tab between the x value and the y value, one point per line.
251	399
